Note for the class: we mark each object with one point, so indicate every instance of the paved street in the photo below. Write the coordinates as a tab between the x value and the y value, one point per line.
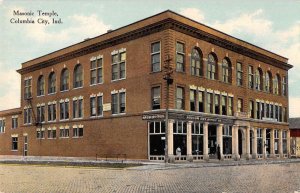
248	178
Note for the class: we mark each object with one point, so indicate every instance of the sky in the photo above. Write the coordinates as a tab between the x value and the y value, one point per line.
273	25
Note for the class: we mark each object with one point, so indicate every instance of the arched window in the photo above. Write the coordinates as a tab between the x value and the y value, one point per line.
212	68
268	82
226	70
258	79
78	73
64	80
276	83
52	83
41	86
196	66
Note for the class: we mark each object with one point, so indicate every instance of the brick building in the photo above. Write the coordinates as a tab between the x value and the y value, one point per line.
109	95
294	125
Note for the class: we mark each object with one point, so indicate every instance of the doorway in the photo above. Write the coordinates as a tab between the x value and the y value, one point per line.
212	140
240	138
25	145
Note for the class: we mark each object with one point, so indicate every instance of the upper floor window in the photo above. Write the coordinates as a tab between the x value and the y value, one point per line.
14	144
217	104
192	100
155	95
268	82
64	110
52	112
96	71
77	108
276	83
27	115
209	108
118	66
239	74
180	54
196	63
52	83
96	106
226	70
250	77
240	105
2	125
41	86
78	76
251	109
27	88
224	105
201	101
155	56
284	86
118	103
78	131
230	106
212	68
40	114
179	98
14	122
64	80
258	79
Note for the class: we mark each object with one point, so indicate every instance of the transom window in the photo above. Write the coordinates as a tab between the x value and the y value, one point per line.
212	67
197	128
96	71
196	65
78	73
155	56
157	127
179	127
180	54
118	66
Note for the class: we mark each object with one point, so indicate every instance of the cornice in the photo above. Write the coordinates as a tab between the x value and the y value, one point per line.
154	28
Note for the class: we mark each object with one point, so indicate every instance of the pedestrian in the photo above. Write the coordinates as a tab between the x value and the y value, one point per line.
219	152
178	151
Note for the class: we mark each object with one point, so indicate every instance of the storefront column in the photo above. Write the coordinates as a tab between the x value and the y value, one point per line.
220	139
235	138
288	143
280	149
254	141
170	142
264	134
272	144
205	141
189	141
248	156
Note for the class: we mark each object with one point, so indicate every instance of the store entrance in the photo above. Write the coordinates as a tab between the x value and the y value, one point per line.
212	141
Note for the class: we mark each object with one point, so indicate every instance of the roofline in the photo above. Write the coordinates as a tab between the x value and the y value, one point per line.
12	111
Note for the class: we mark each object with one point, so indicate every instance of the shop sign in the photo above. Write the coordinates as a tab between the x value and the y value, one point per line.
151	117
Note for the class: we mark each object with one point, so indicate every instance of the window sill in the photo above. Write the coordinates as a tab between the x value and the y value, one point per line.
62	91
40	138
63	120
154	72
96	84
52	93
118	79
13	150
51	138
95	117
79	137
119	114
64	137
40	96
78	118
77	88
52	121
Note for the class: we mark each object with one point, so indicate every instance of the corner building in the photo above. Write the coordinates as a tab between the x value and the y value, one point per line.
108	96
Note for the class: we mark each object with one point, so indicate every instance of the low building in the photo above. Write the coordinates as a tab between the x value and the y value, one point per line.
158	88
295	136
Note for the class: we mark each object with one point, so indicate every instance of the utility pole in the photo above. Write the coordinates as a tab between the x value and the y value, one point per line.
169	80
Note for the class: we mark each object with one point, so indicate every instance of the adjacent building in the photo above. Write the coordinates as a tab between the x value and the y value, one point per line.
294	124
162	87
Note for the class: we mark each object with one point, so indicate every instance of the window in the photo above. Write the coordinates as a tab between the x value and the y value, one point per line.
40	133
201	101
180	57
226	70
212	67
227	139
52	83
97	71
192	100
40	114
196	65
41	86
217	104
258	79
239	74
77	131
118	103
284	114
260	143
224	105
276	84
268	110
155	56
27	87
251	109
262	110
230	106
27	115
284	142
179	98
284	86
52	112
64	110
2	125
250	77
64	132
268	82
14	122
64	80
51	133
258	110
276	112
271	111
14	144
240	105
96	104
78	76
77	108
155	97
280	114
209	103
118	66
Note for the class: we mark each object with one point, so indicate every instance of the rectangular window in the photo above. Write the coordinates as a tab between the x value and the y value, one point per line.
257	107
284	114
155	97
276	112
78	108
78	132
14	122
240	105
119	66
96	106
64	110
217	104
201	101
27	88
27	115
51	112
40	133
224	105
96	71
230	106
280	114
251	109
40	114
284	86
250	77
2	125
192	100
14	145
180	55
64	133
118	104
262	110
99	105
51	133
209	103
155	56
271	111
93	111
268	110
239	74
179	98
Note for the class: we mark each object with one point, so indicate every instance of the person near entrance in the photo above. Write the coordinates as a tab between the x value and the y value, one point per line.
219	152
178	151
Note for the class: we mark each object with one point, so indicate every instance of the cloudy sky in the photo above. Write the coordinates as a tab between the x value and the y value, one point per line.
273	25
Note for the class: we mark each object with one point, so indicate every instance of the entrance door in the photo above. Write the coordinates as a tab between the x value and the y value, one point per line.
240	137
212	141
25	145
